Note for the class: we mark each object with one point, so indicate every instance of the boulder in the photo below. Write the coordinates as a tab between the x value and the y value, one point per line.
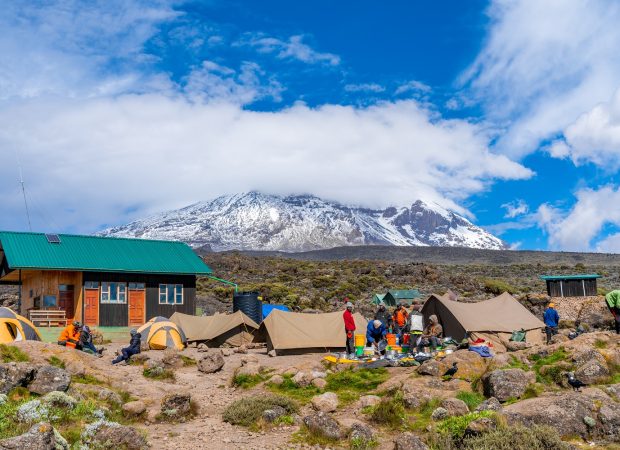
155	365
592	372
409	441
302	379
249	359
559	338
567	413
506	384
414	397
111	435
40	436
140	358
318	374
211	362
227	351
13	375
480	426
175	406
241	349
512	346
134	409
252	369
454	406
369	400
101	392
439	414
431	368
172	358
319	383
272	353
471	365
271	415
361	434
490	404
327	402
277	380
323	424
613	390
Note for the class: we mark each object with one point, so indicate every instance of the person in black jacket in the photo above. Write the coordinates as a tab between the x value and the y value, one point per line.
383	316
133	349
86	341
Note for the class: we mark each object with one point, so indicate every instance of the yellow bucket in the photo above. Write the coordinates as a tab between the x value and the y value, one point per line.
360	340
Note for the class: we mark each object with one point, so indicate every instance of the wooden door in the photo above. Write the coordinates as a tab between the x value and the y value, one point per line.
65	300
91	306
136	306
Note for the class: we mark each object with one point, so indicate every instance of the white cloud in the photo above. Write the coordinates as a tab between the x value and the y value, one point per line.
611	244
515	208
583	224
414	86
364	87
543	65
293	48
95	159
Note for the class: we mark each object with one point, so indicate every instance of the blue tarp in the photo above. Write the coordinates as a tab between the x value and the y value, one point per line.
267	308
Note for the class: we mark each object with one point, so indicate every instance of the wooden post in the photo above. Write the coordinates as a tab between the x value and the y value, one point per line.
19	293
561	289
583	285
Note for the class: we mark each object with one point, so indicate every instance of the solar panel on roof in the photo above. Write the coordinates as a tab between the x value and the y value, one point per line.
53	238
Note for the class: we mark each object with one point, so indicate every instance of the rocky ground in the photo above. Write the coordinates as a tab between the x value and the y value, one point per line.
225	399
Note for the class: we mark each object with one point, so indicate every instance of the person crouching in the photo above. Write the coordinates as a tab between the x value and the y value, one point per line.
133	349
70	335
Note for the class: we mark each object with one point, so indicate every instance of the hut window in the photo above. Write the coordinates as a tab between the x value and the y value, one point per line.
113	293
170	294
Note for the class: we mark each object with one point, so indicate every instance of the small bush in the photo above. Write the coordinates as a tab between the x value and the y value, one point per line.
532	391
309	437
498	287
187	361
471	399
288	388
247	411
362	444
157	373
455	426
248	381
87	379
56	362
517	438
10	353
389	411
599	343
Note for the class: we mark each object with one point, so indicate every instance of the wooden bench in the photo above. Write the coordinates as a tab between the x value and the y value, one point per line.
49	316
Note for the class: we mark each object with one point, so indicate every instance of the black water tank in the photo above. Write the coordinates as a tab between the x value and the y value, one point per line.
249	303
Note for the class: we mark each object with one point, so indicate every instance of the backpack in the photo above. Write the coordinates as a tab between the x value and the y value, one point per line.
518	336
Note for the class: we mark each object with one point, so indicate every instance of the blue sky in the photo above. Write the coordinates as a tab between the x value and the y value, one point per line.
505	111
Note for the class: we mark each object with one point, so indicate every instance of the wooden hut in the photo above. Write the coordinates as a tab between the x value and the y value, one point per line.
583	285
99	280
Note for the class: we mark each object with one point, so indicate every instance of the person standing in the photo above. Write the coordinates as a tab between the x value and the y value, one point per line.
349	328
613	303
551	319
383	315
400	319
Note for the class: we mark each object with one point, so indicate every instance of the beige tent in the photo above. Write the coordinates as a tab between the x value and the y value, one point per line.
232	329
493	319
284	330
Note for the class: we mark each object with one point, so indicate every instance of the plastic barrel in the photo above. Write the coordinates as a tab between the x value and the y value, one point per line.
249	304
360	340
391	339
359	351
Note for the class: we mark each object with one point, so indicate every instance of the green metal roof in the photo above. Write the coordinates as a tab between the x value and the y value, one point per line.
93	253
587	276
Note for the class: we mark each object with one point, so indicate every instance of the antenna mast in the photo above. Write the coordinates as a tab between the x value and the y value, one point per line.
21	182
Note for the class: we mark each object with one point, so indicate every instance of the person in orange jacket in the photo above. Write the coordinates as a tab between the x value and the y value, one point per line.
71	334
400	319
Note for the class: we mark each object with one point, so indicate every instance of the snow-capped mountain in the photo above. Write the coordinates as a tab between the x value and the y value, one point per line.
255	221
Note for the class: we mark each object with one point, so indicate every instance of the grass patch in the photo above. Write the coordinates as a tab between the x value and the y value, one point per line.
390	411
10	353
362	444
350	384
87	379
600	344
157	373
532	391
284	420
547	369
420	419
289	389
247	411
306	436
471	399
536	437
248	381
56	362
455	426
188	361
516	363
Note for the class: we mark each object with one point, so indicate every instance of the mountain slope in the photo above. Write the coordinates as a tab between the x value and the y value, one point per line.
255	221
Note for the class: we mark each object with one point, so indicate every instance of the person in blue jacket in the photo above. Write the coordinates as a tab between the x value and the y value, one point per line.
133	349
375	332
551	319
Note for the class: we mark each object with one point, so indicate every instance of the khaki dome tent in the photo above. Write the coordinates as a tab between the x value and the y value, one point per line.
160	333
233	329
14	327
493	320
298	331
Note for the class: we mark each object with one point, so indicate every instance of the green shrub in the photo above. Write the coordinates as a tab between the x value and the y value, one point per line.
187	361
290	389
471	399
455	426
517	438
56	362
599	343
87	379
389	411
247	411
532	391
247	381
157	373
10	353
498	287
362	444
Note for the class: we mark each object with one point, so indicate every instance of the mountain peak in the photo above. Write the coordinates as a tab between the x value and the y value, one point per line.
258	221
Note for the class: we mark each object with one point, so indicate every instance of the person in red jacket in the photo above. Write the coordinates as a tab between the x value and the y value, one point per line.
349	328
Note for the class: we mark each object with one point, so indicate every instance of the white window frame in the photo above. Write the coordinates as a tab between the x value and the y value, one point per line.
177	292
106	290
